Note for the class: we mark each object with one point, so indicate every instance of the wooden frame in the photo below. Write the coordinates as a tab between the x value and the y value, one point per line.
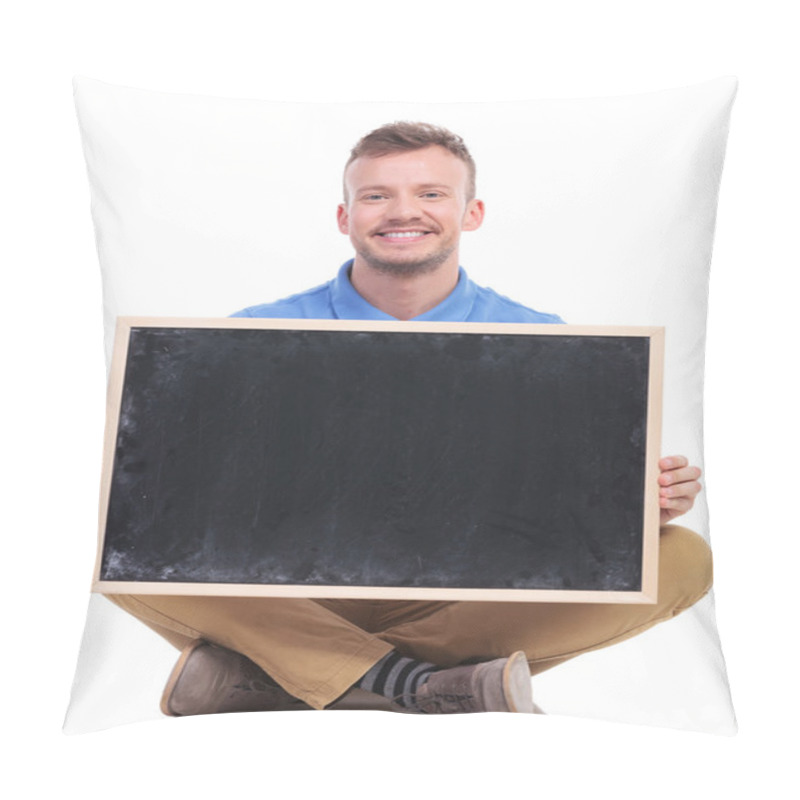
647	591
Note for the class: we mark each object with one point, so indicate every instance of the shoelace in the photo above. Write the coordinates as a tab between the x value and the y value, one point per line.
254	679
441	702
253	686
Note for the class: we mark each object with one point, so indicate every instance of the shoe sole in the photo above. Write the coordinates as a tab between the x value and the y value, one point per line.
175	675
517	684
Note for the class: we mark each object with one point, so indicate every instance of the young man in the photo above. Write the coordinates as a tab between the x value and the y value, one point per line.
409	192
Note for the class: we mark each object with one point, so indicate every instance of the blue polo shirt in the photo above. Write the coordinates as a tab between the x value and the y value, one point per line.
337	299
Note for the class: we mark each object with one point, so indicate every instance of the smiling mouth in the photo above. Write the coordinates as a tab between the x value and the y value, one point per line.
403	235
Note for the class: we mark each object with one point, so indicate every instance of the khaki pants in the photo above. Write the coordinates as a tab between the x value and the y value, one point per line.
317	649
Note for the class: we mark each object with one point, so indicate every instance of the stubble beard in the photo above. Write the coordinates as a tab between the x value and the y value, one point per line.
407	269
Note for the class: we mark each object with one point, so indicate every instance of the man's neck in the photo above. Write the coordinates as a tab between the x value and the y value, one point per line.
403	297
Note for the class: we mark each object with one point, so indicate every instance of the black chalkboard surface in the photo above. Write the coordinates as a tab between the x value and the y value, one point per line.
381	460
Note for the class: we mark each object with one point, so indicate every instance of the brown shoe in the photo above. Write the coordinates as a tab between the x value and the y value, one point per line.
208	679
501	685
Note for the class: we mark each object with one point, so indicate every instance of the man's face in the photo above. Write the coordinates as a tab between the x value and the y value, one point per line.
404	212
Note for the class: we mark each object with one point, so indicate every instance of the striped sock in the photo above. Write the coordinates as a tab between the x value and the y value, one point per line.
397	677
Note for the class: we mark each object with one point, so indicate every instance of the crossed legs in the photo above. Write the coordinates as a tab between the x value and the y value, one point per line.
317	649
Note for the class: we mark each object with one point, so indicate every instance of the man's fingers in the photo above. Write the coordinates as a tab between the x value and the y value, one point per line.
673	462
681	504
679	476
678	486
689	489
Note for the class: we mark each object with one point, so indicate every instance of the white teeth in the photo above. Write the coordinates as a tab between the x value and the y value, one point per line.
403	234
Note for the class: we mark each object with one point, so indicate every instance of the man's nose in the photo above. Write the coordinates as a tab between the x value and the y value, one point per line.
404	207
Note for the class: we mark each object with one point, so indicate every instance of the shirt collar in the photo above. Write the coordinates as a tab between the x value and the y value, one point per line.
349	304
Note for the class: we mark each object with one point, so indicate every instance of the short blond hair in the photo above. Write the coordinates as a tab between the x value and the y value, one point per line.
403	137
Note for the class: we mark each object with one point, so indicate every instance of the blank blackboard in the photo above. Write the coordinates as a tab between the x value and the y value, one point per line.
395	460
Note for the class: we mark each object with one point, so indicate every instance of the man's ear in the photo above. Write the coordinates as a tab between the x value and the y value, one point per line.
342	218
473	218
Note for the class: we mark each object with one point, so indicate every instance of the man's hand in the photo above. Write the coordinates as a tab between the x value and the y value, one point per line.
678	487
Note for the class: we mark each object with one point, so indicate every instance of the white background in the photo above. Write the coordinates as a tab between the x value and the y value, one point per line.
54	388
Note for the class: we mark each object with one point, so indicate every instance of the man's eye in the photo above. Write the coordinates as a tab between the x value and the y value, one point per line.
373	197
432	194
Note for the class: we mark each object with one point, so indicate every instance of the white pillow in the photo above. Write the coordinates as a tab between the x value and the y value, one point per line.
599	210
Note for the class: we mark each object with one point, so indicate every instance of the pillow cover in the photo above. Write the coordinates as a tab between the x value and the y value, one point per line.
599	210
